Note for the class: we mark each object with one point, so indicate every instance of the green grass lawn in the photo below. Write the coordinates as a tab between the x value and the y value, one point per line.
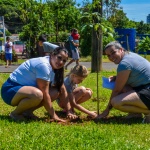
82	59
114	133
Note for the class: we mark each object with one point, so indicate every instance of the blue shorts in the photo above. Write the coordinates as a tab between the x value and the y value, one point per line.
8	56
8	90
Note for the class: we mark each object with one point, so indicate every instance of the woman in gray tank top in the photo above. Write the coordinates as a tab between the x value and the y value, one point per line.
132	83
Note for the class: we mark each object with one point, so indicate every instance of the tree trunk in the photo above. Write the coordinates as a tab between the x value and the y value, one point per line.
97	48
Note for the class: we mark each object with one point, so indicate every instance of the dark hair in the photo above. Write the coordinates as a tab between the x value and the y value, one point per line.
59	73
75	30
7	38
43	38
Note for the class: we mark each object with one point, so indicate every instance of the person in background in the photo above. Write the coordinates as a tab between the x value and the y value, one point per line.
74	49
78	95
30	86
8	51
44	46
131	93
75	36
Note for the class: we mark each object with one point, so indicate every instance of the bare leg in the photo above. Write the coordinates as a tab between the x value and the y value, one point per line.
129	102
77	62
82	94
29	113
7	62
128	88
26	98
71	61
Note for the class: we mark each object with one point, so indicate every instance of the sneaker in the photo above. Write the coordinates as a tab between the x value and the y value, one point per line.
30	116
134	115
146	119
16	117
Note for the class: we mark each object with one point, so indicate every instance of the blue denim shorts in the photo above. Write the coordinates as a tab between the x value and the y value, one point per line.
8	90
8	56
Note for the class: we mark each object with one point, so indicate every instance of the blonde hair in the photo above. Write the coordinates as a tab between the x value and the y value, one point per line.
79	70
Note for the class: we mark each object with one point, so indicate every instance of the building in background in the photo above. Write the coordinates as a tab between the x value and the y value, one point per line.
127	38
148	18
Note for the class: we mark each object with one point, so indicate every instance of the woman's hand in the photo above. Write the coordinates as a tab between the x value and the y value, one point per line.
57	119
112	78
103	114
93	115
71	116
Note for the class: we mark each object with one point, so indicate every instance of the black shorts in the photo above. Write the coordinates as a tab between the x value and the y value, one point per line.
144	93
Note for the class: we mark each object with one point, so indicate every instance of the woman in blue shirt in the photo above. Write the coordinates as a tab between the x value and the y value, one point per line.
35	83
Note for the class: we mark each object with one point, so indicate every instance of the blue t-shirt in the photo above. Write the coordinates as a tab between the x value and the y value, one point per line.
139	67
27	73
69	85
72	47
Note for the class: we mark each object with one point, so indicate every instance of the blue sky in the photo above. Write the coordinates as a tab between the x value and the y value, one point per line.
135	10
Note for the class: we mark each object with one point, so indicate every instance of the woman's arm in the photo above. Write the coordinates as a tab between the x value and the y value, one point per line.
47	102
120	82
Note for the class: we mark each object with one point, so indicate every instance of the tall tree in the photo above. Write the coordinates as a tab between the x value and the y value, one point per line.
142	28
37	17
110	7
97	37
11	15
66	15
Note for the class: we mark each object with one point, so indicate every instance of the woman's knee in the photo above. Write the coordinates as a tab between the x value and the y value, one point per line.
38	94
116	103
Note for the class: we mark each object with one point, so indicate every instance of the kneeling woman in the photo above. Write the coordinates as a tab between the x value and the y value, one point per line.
28	87
132	82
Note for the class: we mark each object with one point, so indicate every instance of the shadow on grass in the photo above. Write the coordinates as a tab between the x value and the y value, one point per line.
119	120
7	117
79	120
109	120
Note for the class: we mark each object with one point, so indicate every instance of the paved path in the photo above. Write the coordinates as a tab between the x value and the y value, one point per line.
106	66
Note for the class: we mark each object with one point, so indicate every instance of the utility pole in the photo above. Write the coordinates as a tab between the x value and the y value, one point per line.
4	29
